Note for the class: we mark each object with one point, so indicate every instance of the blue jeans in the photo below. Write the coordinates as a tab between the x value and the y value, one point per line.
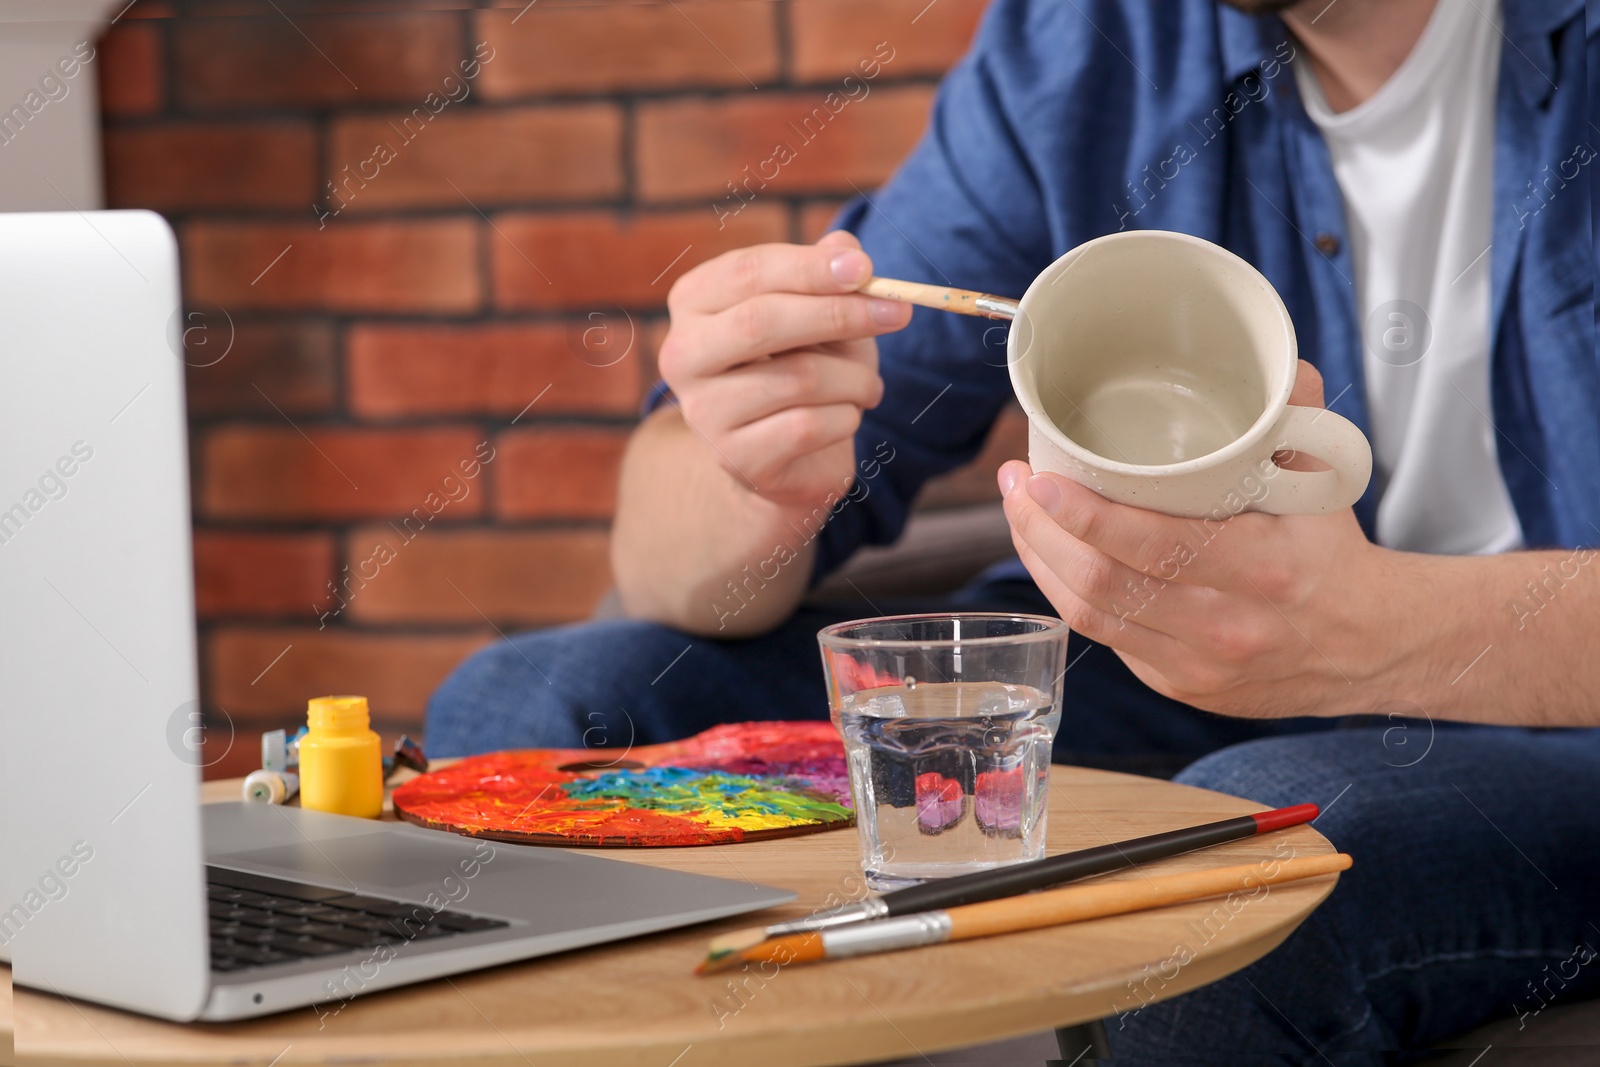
1476	887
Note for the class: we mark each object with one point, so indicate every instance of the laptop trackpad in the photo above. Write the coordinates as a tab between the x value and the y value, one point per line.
368	861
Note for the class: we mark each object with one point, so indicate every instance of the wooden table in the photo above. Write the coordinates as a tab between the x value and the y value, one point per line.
638	1003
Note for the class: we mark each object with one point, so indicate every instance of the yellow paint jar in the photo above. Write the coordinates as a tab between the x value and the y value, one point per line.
341	759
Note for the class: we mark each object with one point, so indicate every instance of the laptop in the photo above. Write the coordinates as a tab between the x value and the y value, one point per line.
121	887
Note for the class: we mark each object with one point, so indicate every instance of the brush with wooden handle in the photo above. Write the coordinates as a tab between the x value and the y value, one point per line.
1028	912
995	882
943	297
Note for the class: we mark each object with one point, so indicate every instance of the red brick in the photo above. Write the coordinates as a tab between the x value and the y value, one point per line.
974	483
315	60
693	148
246	677
414	266
831	38
212	165
281	365
488	157
602	48
264	575
514	577
496	369
558	473
278	472
131	69
816	218
588	259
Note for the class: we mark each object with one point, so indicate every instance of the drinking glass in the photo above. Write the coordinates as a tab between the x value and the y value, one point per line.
947	721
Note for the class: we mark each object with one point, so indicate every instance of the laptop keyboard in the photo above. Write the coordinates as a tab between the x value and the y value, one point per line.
257	921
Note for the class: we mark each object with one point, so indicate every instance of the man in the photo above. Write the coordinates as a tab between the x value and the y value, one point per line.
1410	175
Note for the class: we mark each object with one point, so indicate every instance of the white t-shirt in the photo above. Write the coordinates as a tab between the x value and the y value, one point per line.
1415	163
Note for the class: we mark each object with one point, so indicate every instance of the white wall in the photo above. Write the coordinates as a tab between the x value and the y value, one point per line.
49	120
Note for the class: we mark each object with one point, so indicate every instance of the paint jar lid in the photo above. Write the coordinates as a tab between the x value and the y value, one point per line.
338	713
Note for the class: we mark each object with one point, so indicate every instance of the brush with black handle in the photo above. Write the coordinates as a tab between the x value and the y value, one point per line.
1019	878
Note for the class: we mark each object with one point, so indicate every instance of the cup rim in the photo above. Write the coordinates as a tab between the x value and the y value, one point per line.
1040	421
1053	629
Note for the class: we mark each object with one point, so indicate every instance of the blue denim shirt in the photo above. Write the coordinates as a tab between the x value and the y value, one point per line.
1067	121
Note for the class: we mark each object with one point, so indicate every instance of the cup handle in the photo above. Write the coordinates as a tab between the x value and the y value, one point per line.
1334	440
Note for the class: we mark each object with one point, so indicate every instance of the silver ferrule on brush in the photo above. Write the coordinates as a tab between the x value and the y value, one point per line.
908	931
998	305
861	911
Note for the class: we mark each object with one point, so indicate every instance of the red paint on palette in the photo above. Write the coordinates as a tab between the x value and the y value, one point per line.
737	782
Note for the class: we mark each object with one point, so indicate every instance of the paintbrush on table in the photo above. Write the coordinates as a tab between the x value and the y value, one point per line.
1016	878
1028	912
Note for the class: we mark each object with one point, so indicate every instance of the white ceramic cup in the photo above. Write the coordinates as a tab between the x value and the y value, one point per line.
1155	368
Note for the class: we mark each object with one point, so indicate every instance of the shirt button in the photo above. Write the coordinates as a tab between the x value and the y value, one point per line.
1327	244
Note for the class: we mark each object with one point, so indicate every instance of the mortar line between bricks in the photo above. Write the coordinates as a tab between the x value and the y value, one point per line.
323	124
485	261
299	524
687	205
513	316
783	29
343	533
510	317
491	223
169	80
462	421
579	531
407	629
464	20
277	216
275	626
519	317
493	434
687	93
339	326
285	627
628	154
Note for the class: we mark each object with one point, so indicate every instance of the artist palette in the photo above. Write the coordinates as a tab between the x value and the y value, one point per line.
737	782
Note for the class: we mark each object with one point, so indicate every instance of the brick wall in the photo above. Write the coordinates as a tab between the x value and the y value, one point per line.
418	236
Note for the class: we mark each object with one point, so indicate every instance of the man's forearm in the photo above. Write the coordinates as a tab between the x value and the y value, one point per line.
1512	639
694	549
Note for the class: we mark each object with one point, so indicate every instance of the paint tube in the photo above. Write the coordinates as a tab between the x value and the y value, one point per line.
271	787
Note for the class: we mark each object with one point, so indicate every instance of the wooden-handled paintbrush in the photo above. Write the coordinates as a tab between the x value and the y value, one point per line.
997	882
943	297
1027	912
